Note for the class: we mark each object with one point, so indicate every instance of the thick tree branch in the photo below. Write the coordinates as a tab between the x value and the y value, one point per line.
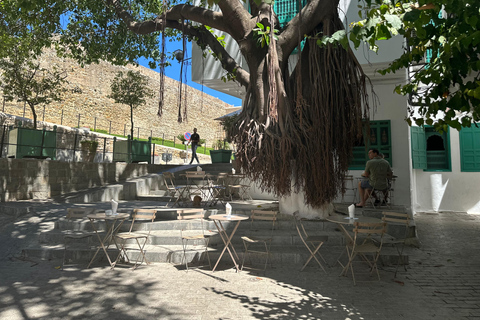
197	14
184	11
237	18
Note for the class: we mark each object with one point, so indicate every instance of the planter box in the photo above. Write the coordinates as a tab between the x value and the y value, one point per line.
30	143
132	151
220	156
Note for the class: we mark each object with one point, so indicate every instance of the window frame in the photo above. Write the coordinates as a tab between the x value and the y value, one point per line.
418	143
358	162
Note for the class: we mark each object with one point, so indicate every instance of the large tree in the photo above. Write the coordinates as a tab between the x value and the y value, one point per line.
297	126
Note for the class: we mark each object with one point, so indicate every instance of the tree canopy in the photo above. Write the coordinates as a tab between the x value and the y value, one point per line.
130	89
296	128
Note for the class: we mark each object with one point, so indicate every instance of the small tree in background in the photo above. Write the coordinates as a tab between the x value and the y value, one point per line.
130	89
23	79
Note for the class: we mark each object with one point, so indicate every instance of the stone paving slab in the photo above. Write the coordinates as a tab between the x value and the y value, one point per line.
441	283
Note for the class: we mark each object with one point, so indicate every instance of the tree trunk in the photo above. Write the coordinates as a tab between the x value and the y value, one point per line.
32	107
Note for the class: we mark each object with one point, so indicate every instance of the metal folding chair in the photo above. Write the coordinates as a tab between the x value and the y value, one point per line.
363	245
397	219
312	243
138	216
76	233
193	214
259	243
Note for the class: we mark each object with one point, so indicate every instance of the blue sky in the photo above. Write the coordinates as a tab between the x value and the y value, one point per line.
173	72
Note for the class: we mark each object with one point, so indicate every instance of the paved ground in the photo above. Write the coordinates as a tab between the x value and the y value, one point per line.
441	283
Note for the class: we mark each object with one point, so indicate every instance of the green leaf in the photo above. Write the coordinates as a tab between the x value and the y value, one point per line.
472	20
383	33
412	16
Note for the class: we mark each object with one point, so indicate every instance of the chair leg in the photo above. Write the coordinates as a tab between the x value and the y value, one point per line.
244	254
206	240
141	254
184	258
64	253
313	255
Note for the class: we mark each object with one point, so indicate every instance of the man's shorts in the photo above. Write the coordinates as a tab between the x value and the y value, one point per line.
365	184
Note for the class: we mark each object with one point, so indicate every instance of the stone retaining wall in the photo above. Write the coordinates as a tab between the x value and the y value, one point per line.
23	179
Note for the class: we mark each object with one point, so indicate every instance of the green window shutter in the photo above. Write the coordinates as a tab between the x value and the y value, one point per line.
379	138
438	149
286	10
419	148
470	149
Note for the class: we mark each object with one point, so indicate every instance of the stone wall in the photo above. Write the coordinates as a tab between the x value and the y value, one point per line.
23	179
85	104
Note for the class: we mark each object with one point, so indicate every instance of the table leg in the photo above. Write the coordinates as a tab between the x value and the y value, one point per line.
227	241
348	240
111	230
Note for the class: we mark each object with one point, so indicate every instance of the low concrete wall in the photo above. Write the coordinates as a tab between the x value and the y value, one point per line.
24	179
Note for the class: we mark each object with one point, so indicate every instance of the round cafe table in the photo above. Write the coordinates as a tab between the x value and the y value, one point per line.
227	239
113	223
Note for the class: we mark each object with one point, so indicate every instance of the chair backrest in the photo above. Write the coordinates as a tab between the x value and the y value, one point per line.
142	215
78	213
264	215
368	230
299	225
221	178
169	180
397	218
194	174
190	214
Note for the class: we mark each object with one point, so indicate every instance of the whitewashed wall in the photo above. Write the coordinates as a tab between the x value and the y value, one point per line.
447	191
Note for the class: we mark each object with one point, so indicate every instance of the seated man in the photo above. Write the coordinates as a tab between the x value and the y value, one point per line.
377	170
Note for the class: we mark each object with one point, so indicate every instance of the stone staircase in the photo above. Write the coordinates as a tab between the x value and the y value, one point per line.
165	246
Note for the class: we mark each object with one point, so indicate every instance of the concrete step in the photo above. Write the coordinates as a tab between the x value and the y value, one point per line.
173	237
167	221
280	255
128	190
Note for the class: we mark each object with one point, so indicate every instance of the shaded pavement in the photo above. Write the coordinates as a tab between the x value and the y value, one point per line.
441	283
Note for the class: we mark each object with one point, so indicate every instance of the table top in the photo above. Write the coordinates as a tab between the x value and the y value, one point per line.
346	220
224	217
102	215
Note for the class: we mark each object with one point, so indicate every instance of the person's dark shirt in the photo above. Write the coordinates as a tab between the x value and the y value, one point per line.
195	138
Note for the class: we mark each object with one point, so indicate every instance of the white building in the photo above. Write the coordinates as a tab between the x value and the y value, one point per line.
436	172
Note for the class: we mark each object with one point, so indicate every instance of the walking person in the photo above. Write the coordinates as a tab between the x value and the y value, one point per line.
194	140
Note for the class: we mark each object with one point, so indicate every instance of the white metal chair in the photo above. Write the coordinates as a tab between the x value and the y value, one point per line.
75	216
169	181
138	216
312	243
261	245
363	246
402	220
199	215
